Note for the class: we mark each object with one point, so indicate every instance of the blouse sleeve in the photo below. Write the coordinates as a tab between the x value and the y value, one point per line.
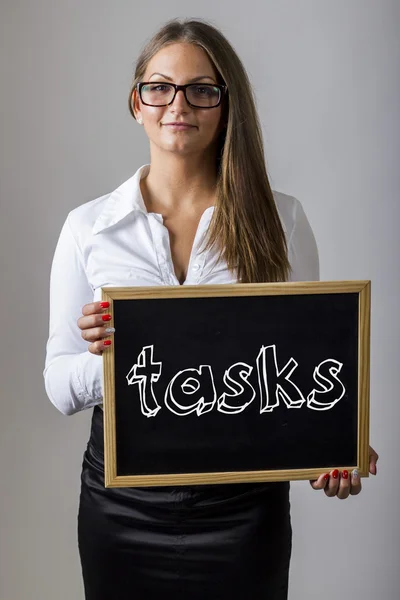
73	375
302	248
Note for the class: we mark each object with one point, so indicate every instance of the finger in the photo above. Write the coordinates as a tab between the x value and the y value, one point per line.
355	483
93	320
373	459
320	483
99	347
96	333
333	485
344	486
95	308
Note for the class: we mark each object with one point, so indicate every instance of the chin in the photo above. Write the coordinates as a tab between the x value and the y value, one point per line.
179	147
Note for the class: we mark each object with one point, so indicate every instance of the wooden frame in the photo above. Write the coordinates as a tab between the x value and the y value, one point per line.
362	288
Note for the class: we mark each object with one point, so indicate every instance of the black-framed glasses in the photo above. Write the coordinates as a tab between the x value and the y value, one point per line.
198	95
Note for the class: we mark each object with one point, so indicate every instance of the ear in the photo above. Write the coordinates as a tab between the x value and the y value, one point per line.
136	104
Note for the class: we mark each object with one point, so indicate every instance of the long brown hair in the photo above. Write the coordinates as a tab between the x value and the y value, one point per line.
245	227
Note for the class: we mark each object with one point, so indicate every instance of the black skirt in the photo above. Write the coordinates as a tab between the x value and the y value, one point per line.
203	542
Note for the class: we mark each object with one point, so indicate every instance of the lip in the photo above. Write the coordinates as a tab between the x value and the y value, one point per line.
179	125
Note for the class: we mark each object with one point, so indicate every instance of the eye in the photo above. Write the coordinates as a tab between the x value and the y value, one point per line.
157	87
204	90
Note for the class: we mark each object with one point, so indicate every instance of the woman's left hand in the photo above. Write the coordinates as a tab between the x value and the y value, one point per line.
344	484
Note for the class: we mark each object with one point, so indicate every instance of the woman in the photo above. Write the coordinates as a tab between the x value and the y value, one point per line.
206	183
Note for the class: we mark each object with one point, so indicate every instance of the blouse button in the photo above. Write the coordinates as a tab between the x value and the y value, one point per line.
196	267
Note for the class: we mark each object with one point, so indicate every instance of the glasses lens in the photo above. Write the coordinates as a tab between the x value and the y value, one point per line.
157	94
202	95
160	94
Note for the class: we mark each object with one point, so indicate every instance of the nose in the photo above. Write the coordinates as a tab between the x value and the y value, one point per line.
180	101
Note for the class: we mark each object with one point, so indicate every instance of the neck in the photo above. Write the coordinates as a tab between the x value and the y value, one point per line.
179	183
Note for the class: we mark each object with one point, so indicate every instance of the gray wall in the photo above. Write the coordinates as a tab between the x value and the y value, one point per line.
327	79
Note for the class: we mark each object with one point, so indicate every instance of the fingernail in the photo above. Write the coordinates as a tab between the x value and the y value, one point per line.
104	304
109	330
107	343
355	473
345	474
335	474
326	477
106	317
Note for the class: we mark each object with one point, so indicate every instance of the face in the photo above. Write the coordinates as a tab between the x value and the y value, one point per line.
180	63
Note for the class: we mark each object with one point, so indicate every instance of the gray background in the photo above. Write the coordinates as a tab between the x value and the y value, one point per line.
327	80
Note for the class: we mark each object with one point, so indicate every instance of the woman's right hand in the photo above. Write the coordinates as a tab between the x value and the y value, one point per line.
95	327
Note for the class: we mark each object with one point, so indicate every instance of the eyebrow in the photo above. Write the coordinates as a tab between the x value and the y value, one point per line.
190	80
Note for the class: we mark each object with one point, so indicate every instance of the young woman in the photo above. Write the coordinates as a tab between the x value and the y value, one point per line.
206	183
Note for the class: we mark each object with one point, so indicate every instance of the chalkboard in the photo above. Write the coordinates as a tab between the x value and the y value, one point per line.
235	383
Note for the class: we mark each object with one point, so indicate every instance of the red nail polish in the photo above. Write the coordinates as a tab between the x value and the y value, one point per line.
107	343
326	477
106	317
335	474
345	474
104	304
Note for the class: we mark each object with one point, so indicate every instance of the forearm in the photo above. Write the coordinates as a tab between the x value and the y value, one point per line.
73	376
74	382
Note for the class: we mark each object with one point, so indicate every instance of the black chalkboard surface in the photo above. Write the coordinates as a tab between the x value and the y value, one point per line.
229	383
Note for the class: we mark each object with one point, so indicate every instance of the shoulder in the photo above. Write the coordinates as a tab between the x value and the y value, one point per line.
101	213
82	218
302	246
288	209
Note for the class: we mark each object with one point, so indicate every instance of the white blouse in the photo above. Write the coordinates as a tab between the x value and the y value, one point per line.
114	241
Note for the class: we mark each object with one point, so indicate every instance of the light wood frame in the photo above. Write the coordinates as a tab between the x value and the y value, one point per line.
362	288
